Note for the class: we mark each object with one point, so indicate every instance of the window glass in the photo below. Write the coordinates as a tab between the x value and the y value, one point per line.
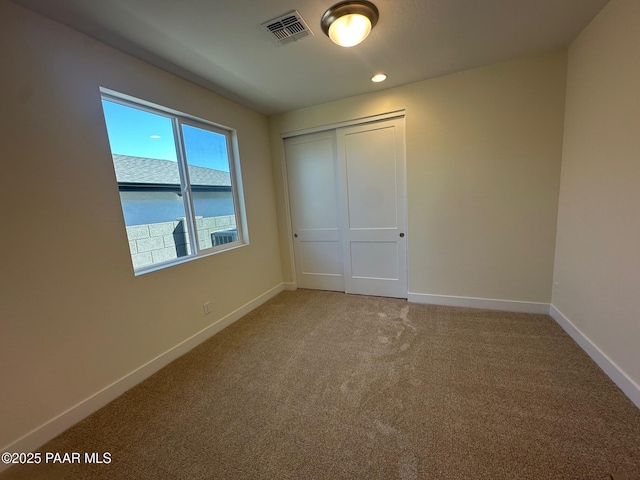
176	181
207	157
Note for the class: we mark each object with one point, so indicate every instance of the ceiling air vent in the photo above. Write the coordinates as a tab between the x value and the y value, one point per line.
287	28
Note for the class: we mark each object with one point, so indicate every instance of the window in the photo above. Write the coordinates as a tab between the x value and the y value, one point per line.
179	182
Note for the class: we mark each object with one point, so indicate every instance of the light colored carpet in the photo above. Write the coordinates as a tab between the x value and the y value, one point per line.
323	385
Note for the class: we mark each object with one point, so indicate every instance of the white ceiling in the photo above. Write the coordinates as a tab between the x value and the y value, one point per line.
220	45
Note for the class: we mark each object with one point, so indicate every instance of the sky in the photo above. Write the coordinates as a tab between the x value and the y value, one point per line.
139	133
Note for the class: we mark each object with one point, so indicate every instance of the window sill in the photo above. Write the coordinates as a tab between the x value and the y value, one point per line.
179	261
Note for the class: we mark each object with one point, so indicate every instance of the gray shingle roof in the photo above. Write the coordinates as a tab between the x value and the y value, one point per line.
164	172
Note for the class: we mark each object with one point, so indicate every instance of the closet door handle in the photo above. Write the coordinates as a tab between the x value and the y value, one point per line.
402	234
295	235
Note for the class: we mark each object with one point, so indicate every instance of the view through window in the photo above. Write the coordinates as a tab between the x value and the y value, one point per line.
176	177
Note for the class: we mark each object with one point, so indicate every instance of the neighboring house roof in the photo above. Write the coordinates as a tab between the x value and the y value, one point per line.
141	170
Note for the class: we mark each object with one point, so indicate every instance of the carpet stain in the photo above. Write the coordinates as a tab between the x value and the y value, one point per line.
384	428
404	316
408	467
408	462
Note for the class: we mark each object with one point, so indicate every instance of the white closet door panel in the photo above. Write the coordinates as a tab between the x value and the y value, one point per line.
386	265
371	179
312	182
321	258
313	198
371	165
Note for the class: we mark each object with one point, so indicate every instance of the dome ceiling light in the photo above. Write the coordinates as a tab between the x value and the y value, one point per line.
349	23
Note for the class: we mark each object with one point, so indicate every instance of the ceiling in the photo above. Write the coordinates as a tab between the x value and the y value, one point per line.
220	45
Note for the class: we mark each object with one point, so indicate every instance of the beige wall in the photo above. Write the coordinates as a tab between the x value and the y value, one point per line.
597	259
483	163
73	321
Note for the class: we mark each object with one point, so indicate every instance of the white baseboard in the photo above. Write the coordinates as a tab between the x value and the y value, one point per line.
290	286
482	303
630	388
52	428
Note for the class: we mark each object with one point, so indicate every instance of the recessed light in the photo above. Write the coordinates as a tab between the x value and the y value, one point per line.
380	77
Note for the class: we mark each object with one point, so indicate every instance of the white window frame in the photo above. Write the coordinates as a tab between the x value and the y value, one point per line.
178	119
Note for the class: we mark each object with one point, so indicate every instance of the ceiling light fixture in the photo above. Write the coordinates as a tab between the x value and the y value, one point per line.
349	23
379	77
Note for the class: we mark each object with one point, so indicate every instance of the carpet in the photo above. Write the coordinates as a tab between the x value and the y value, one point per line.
324	385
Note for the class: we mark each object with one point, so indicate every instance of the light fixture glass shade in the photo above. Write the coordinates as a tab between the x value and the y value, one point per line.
348	23
350	30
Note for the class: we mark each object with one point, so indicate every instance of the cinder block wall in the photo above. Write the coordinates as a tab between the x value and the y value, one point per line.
160	242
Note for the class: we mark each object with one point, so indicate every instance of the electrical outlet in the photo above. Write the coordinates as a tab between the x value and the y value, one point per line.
207	308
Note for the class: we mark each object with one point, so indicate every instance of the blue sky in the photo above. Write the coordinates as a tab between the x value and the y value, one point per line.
143	134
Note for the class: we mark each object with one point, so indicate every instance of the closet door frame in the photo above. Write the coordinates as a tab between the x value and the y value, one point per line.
400	113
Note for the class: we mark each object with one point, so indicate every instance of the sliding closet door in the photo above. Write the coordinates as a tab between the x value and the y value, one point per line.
371	166
313	199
